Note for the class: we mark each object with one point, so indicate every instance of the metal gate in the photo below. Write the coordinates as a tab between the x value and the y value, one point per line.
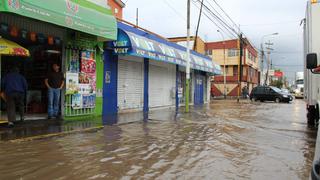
162	83
130	83
199	89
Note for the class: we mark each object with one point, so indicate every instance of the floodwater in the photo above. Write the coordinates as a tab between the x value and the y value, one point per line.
224	140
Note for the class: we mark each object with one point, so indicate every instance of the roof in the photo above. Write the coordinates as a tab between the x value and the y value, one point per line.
122	4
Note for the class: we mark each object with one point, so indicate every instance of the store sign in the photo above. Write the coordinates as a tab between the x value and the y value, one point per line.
132	44
278	74
83	16
271	72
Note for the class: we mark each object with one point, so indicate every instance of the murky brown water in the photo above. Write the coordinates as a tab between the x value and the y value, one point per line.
224	141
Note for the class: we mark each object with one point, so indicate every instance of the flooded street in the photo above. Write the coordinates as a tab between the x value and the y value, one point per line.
224	140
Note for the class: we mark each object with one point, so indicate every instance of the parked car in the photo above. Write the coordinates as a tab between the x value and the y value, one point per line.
269	93
286	91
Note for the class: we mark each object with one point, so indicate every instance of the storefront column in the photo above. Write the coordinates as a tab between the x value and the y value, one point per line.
146	86
177	86
110	95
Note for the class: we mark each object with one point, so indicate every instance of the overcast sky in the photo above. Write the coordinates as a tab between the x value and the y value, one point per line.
256	18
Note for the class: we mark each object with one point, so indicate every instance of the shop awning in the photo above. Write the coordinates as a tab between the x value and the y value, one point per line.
132	41
92	17
12	49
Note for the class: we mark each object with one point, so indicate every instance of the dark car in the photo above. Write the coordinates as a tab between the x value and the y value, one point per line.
269	93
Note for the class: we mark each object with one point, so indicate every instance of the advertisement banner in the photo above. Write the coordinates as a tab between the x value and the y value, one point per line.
72	83
76	101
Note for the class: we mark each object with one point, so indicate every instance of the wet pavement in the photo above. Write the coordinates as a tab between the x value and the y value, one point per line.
224	140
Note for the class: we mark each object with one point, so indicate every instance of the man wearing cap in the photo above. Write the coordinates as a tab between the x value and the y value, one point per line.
54	83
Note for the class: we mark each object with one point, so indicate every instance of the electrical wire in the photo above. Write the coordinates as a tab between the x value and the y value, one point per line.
230	34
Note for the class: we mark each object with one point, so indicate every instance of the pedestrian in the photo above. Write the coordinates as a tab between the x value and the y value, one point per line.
54	83
15	89
245	92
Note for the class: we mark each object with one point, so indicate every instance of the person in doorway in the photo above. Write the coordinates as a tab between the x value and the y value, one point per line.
54	83
15	88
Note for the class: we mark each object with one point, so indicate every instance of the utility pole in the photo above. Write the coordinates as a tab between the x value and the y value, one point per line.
269	44
196	37
240	66
262	63
262	54
137	17
188	58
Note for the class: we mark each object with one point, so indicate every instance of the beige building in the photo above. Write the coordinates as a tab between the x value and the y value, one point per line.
226	53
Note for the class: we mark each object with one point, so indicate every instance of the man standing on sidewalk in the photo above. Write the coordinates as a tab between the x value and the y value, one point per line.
54	83
15	88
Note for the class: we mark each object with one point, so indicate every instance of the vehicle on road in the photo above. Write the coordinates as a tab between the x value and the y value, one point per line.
286	91
311	66
269	93
311	29
299	85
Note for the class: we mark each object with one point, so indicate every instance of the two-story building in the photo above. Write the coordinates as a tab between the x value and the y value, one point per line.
226	53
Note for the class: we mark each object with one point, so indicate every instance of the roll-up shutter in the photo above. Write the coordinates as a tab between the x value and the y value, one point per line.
130	83
162	83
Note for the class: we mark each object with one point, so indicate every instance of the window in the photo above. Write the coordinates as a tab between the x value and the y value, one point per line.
227	70
235	70
209	52
233	52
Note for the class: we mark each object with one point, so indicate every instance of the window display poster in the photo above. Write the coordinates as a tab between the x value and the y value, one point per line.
87	55
88	66
89	101
76	101
72	83
84	78
85	89
92	81
74	61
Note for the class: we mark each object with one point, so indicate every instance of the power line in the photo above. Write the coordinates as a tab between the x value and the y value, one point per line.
172	8
225	12
224	29
274	23
219	24
222	22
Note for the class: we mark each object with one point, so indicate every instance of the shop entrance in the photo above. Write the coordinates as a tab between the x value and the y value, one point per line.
35	69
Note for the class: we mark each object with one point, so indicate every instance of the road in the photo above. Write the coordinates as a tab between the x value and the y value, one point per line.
224	140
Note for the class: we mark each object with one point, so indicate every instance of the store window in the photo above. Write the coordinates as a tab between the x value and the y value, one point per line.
233	52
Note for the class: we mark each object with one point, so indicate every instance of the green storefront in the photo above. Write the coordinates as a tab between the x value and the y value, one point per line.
67	32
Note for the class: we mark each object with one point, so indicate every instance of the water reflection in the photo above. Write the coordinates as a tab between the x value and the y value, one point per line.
225	140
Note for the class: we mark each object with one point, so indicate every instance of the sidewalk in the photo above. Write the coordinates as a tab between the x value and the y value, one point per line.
37	129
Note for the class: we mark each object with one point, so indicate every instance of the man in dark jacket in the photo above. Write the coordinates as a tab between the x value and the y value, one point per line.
15	88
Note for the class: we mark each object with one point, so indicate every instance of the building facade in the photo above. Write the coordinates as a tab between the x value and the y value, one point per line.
64	32
226	53
116	7
145	71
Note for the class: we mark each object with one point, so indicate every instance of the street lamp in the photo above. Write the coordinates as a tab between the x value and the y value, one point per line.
224	65
262	53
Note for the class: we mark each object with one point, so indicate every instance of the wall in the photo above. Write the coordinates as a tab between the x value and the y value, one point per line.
217	56
116	8
201	45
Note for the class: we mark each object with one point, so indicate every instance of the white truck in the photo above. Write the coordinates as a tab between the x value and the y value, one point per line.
311	64
299	85
312	74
